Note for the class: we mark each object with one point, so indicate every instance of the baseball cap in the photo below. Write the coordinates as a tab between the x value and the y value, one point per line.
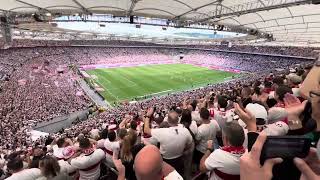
258	111
276	114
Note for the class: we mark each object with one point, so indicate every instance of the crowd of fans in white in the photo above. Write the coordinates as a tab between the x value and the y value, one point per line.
293	51
178	136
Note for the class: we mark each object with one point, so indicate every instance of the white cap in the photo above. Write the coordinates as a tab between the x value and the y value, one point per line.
276	114
257	110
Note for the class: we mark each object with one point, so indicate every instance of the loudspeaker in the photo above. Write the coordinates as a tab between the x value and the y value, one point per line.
131	19
37	18
315	1
3	19
138	26
220	27
253	32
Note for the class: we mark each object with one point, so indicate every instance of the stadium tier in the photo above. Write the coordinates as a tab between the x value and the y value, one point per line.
175	90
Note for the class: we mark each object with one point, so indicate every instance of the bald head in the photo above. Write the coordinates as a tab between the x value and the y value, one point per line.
148	163
173	118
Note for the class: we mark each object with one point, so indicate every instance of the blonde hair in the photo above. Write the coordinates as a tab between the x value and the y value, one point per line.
127	143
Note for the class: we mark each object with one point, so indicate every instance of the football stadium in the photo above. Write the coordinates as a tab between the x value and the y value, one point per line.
159	90
139	81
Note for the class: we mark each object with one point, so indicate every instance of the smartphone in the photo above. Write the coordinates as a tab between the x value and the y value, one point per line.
285	147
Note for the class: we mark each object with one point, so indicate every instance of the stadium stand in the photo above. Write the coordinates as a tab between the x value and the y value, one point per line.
154	90
33	90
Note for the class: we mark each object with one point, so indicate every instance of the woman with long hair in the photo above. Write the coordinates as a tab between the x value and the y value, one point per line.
128	151
186	121
50	169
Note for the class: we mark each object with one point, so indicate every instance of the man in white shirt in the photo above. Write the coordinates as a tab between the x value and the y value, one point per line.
15	167
224	163
194	113
174	141
61	144
88	162
206	131
111	147
220	114
65	166
152	166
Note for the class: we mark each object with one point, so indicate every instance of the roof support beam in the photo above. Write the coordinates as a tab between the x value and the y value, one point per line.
263	4
32	5
195	9
133	4
82	7
227	13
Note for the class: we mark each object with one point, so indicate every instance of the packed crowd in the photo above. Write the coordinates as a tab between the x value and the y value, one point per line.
292	51
194	126
200	135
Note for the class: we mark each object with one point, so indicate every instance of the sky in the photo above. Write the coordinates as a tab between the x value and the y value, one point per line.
148	31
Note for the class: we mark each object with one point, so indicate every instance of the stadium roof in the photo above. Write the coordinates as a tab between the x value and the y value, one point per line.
290	21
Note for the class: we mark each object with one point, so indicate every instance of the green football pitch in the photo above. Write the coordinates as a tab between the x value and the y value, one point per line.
130	83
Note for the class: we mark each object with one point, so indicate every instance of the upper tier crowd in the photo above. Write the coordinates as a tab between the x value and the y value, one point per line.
292	51
209	132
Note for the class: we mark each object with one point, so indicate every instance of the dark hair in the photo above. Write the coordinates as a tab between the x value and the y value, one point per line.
300	72
49	166
281	91
84	143
278	80
15	163
204	113
222	101
194	104
133	125
257	90
122	133
178	110
234	133
60	142
267	84
104	134
186	118
112	136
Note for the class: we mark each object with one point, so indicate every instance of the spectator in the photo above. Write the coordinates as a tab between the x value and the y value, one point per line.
174	141
88	161
50	169
111	147
152	166
224	163
15	167
206	131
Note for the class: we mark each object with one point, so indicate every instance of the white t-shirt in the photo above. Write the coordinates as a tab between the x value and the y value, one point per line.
26	174
195	115
113	147
57	152
276	129
206	132
173	141
222	116
223	161
100	143
174	175
66	168
193	127
89	165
